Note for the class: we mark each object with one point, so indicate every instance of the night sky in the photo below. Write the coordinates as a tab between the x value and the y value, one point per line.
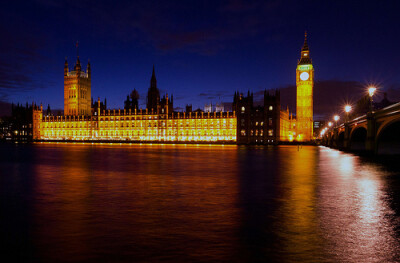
203	51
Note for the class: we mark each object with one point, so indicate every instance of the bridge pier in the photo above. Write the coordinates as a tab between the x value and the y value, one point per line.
330	139
335	138
346	141
370	141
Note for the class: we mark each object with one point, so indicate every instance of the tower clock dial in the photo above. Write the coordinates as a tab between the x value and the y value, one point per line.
304	76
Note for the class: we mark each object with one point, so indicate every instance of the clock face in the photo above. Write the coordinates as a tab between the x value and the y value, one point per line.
304	76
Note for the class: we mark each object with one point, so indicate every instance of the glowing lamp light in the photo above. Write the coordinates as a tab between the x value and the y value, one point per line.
329	124
347	108
371	91
336	117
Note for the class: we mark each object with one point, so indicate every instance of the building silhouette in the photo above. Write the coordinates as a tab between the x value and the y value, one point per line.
258	124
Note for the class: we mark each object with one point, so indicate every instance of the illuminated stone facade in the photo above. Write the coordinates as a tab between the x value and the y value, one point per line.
287	127
247	124
304	96
138	126
77	90
156	124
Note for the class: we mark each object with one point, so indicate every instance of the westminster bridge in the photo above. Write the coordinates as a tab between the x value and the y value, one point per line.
376	132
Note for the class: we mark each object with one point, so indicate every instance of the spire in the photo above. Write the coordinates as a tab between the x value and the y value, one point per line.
305	45
78	62
88	70
65	67
77	49
305	52
153	81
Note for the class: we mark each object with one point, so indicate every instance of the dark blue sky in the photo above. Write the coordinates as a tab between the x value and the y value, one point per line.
202	50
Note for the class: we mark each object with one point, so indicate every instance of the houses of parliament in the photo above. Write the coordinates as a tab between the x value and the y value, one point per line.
245	124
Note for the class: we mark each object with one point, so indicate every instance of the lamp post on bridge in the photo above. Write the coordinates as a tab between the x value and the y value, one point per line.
335	131
371	91
370	140
336	118
347	110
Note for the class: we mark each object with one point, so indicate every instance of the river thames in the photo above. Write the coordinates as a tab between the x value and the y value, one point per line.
196	203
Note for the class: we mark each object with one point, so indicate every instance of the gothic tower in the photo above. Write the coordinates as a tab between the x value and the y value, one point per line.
304	96
153	95
77	90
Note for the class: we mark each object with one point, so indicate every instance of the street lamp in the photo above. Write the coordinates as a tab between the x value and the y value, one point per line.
347	109
336	118
371	91
330	124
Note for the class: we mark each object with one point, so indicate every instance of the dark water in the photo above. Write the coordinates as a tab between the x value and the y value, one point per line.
152	203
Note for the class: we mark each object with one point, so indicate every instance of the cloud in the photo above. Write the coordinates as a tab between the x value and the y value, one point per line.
215	95
213	26
20	59
164	24
392	91
179	109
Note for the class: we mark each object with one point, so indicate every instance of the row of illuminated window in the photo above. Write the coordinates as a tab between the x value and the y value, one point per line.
304	92
270	108
163	124
257	132
304	103
76	112
189	124
52	134
242	122
136	118
83	124
73	93
73	73
155	117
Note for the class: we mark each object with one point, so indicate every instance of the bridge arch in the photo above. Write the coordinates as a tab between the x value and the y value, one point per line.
388	137
358	138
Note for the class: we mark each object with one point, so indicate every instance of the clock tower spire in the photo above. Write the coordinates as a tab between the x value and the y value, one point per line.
305	52
304	96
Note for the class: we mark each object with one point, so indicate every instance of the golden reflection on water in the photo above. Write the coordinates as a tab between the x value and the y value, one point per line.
145	198
298	218
62	185
117	202
355	214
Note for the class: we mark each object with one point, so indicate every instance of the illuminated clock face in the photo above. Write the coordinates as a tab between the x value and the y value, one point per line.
304	76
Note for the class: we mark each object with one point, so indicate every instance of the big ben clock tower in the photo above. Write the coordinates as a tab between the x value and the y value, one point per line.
304	96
